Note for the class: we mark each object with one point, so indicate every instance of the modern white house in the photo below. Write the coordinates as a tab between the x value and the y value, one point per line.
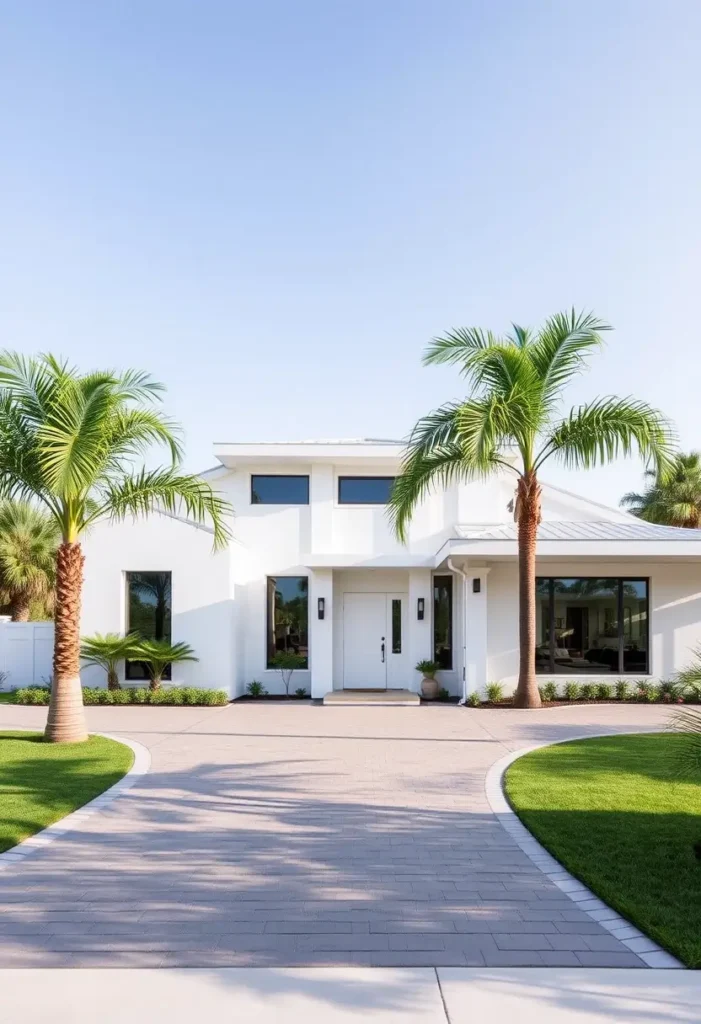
314	568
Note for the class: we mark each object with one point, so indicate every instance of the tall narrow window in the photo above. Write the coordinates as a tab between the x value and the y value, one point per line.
148	613
592	625
396	625
443	621
287	616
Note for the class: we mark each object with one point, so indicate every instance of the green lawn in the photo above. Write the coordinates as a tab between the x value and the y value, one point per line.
7	698
41	782
614	813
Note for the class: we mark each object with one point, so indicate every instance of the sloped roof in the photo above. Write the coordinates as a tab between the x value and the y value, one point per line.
583	530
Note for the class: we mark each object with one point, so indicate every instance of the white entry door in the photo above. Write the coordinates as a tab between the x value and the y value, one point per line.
374	631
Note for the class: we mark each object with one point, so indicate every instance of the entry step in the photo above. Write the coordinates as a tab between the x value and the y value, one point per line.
401	698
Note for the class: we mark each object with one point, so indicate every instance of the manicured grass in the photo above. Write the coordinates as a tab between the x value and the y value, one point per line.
41	782
615	814
7	698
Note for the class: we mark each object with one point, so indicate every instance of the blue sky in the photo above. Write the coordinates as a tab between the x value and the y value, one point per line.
273	206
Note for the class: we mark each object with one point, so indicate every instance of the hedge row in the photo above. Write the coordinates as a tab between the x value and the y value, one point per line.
176	696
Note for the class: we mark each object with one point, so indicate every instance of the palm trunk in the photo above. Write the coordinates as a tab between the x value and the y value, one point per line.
113	680
66	721
155	683
528	505
19	608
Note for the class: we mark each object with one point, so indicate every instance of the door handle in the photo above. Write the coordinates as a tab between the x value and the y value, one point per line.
382	647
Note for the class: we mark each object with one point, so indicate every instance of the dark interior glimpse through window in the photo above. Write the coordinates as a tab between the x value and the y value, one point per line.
279	490
364	490
148	613
592	625
287	613
396	625
443	621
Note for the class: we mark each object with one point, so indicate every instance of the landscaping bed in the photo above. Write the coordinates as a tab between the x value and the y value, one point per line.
176	696
554	695
624	816
43	782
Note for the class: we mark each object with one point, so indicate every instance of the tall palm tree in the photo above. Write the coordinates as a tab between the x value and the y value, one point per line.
28	542
514	402
674	500
71	441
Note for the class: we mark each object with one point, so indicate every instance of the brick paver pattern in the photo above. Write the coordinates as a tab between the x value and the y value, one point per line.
280	835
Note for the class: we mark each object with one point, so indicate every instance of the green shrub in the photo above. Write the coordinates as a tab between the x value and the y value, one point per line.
178	695
256	689
653	694
301	693
443	694
495	692
623	689
604	691
474	700
32	695
572	691
548	692
121	697
588	691
645	691
139	695
668	691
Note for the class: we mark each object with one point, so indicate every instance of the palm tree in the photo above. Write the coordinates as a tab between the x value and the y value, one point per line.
28	542
674	500
107	651
70	440
515	390
157	655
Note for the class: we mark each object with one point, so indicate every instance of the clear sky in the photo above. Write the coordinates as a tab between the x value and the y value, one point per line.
273	206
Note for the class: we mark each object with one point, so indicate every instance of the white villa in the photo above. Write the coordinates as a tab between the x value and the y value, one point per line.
314	568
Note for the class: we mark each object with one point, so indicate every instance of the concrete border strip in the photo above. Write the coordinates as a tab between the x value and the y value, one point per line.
141	765
636	941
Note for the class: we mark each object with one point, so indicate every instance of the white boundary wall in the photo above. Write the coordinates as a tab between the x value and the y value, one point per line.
26	653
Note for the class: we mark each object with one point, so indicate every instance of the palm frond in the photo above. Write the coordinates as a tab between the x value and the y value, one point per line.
686	757
559	352
608	428
150	491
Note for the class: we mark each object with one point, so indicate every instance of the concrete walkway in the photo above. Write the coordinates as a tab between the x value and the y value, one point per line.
297	835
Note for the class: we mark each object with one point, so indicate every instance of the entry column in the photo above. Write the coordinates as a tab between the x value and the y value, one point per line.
476	629
321	631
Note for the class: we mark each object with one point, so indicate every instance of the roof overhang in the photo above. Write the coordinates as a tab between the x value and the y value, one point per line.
232	455
666	550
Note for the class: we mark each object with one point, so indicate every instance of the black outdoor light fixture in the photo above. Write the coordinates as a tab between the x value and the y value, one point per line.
320	604
476	585
420	609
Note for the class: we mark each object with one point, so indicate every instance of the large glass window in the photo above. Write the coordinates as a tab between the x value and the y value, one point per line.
279	490
148	613
287	613
364	490
592	625
443	621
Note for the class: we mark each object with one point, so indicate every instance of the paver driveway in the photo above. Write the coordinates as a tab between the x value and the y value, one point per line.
276	834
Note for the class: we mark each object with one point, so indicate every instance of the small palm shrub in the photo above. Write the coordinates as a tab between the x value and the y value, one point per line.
588	691
443	694
623	689
427	668
474	700
687	756
107	651
572	691
495	692
256	689
157	655
604	691
668	690
646	692
301	693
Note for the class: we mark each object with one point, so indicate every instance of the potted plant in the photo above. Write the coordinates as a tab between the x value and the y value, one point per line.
429	684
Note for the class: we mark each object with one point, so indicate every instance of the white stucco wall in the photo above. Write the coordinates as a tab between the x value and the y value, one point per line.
202	592
674	609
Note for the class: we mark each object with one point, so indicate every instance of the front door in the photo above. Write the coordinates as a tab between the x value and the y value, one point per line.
374	632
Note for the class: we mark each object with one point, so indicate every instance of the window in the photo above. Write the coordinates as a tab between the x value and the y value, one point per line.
279	490
364	490
148	613
443	621
592	625
287	614
396	625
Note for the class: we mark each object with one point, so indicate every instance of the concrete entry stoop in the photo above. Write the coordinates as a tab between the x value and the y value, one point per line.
400	698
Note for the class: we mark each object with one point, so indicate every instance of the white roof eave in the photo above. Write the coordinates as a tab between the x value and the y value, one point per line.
640	549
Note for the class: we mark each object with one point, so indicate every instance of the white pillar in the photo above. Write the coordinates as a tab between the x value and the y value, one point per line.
476	629
321	631
420	635
321	508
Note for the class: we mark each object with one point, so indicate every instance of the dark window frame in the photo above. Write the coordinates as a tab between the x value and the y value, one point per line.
364	476
396	625
135	671
451	617
278	476
269	621
619	580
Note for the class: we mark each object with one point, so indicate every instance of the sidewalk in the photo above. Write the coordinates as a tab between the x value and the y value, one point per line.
344	995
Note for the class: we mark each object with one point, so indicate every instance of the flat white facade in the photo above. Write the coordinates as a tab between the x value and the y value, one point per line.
374	607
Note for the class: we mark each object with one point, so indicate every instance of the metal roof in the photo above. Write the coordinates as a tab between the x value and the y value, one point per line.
582	530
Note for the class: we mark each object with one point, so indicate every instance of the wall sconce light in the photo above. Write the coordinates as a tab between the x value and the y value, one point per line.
476	585
420	609
320	605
